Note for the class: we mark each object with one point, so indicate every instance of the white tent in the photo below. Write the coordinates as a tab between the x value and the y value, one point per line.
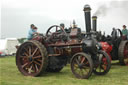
7	45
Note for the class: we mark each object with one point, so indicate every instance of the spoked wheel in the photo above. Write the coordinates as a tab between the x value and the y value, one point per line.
123	53
82	65
104	64
31	58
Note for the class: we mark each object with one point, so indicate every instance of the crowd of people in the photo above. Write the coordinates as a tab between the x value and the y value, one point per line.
33	31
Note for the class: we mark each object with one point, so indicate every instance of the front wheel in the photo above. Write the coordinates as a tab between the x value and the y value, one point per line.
82	65
104	64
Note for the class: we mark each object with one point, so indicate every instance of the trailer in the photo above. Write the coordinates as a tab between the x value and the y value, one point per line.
7	46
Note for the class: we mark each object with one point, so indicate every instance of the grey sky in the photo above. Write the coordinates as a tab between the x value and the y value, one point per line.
17	15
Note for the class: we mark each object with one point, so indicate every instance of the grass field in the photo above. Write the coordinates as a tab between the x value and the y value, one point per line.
9	75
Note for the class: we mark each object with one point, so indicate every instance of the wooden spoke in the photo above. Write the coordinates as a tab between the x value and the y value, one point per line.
25	59
26	54
33	67
30	51
77	61
83	59
22	56
37	53
26	50
30	70
79	58
34	51
25	65
28	63
39	60
75	65
37	57
37	63
86	67
36	68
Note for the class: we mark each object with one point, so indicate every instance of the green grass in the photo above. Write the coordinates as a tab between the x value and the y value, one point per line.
9	75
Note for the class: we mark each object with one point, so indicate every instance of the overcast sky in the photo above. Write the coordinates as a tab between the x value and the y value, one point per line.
17	15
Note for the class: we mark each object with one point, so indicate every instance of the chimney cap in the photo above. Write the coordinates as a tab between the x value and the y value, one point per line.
87	8
94	17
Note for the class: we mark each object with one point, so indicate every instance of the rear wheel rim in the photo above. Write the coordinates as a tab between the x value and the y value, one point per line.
30	59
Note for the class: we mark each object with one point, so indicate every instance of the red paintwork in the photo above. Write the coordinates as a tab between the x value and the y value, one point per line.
107	48
105	63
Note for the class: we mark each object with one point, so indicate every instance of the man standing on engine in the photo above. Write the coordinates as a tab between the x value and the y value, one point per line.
125	32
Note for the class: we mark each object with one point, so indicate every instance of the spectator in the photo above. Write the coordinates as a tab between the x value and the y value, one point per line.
114	33
35	28
62	25
31	32
125	32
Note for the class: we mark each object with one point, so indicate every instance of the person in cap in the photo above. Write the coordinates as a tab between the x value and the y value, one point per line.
114	33
35	28
31	32
62	25
125	32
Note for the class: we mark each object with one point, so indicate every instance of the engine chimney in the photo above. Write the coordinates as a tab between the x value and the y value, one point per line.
87	14
94	23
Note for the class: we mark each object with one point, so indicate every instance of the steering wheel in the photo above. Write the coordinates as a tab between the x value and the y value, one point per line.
57	30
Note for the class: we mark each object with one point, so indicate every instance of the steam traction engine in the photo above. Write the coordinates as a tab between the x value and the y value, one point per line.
115	44
51	52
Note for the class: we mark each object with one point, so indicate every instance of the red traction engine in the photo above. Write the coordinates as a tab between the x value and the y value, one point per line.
115	44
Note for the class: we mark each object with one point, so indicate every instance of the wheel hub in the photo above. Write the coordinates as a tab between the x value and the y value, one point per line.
30	58
80	66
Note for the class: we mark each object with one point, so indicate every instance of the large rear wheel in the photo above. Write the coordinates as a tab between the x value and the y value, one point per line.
82	65
123	53
31	58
